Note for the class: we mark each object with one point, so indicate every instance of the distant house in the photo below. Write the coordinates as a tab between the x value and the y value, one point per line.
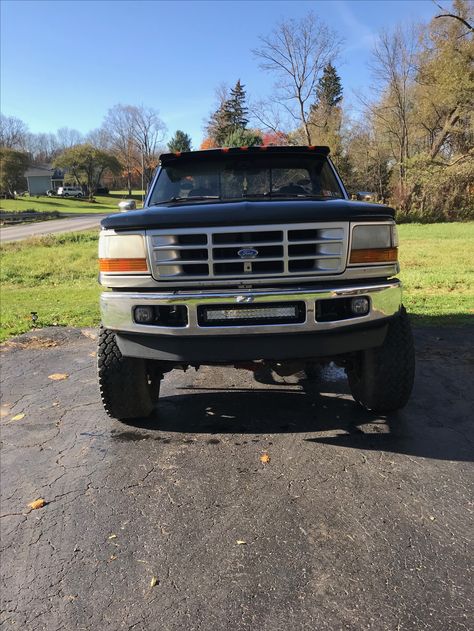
43	178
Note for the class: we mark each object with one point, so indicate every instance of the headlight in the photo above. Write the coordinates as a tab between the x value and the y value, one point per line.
123	253
374	243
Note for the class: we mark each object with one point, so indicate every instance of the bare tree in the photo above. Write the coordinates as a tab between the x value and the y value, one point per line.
148	131
13	132
135	134
100	139
394	70
297	51
68	137
42	147
118	125
268	115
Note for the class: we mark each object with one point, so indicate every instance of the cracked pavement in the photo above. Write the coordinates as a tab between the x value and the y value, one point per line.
356	522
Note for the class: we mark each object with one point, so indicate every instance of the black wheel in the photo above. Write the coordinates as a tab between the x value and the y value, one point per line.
381	379
129	388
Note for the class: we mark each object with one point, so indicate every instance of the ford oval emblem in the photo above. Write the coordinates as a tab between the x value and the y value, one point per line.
247	253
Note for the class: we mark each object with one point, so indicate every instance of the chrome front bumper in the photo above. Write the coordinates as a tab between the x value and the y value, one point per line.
117	308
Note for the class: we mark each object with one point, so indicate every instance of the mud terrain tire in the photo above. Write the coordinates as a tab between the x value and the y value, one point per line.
129	389
381	379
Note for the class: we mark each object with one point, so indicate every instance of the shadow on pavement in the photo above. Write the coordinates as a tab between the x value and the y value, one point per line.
335	417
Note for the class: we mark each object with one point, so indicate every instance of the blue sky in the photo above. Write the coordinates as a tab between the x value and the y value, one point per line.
65	63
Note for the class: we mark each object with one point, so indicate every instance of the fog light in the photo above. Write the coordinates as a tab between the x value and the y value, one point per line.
360	306
144	315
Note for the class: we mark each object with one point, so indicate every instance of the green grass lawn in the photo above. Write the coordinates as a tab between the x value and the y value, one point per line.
437	270
103	204
56	276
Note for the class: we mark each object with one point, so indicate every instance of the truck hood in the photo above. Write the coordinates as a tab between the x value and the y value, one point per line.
245	213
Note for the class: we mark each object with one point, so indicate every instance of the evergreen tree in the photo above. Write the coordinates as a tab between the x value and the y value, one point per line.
242	138
329	88
180	142
216	127
325	116
235	110
230	116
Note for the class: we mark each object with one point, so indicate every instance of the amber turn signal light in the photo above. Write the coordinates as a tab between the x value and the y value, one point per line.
374	255
123	265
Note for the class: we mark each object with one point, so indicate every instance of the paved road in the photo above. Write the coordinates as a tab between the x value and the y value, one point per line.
40	228
356	522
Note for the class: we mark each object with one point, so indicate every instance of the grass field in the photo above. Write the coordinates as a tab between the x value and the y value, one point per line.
56	277
104	203
437	270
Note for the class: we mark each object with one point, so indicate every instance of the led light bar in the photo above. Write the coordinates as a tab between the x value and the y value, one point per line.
251	312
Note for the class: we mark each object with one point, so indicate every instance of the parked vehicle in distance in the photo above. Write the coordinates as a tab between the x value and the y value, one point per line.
101	190
70	191
251	257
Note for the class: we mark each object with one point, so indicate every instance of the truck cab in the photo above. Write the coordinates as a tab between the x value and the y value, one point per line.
251	255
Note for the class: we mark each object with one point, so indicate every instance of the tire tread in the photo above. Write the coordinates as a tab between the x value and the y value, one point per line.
123	381
383	379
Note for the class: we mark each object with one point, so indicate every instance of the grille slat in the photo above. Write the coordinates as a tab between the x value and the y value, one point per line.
281	251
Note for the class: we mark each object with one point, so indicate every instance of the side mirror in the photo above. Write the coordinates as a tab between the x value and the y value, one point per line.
126	205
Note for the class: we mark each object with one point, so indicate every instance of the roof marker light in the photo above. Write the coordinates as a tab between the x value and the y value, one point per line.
244	148
177	153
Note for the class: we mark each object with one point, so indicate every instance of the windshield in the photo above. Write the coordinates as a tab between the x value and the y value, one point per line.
277	176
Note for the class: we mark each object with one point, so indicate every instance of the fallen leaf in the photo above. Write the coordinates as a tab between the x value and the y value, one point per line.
154	581
58	376
18	417
264	458
4	409
39	503
112	536
241	543
92	354
113	557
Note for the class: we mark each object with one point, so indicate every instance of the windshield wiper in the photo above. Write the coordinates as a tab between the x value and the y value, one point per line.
194	198
303	196
289	195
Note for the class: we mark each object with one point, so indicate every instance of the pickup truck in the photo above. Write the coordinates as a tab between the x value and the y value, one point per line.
251	256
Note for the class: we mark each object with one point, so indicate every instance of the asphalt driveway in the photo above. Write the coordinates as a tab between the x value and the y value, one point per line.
348	521
52	226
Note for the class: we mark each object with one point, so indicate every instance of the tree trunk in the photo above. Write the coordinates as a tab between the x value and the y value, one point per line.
303	120
451	120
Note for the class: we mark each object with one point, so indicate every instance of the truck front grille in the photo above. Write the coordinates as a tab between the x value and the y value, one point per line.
244	253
